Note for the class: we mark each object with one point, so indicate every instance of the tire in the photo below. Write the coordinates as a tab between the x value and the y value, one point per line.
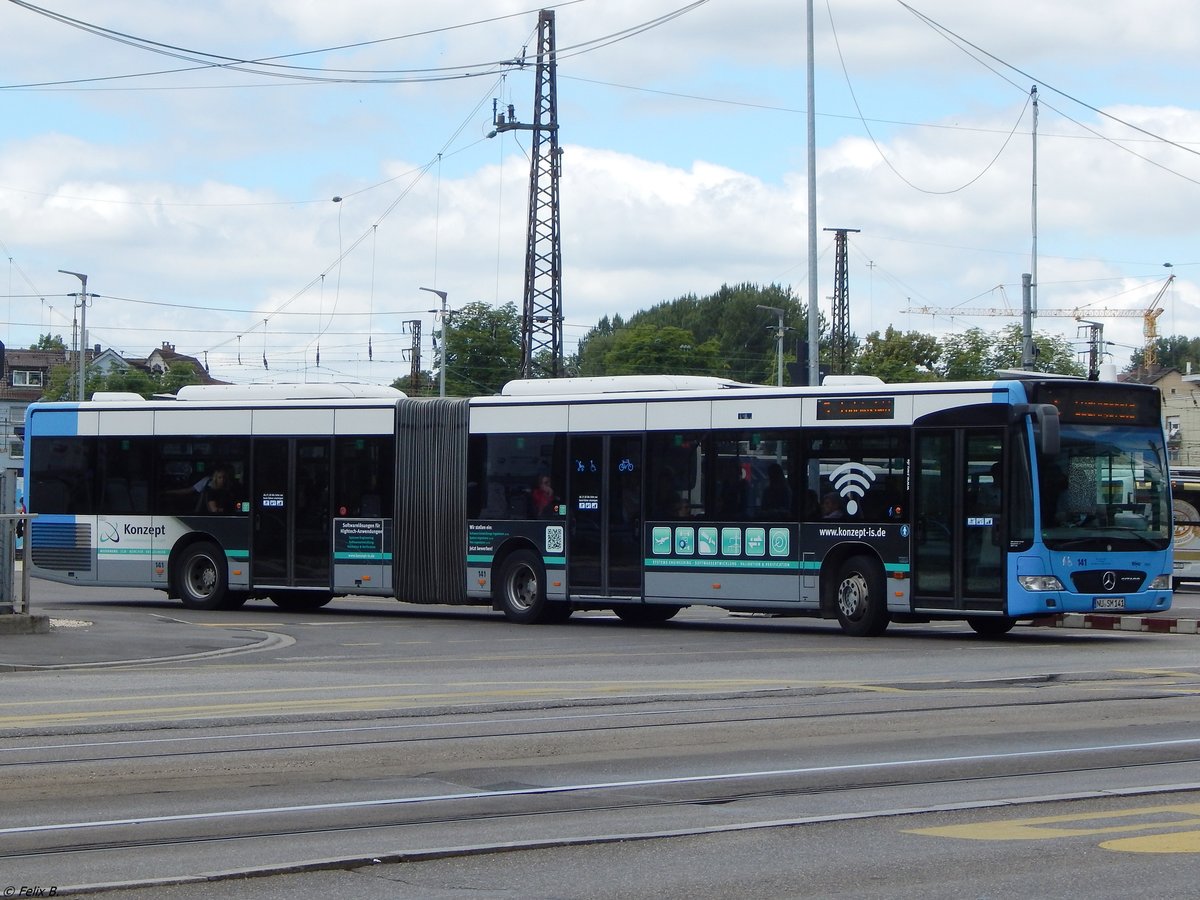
648	614
991	626
202	581
522	591
860	598
300	601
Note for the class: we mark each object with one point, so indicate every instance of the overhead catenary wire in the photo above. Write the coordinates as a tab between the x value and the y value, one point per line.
267	67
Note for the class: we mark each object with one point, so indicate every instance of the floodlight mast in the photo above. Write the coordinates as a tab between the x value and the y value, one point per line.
83	295
442	361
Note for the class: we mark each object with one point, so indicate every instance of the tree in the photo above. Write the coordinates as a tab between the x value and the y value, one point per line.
651	350
46	342
1052	352
744	334
1176	352
482	346
898	357
426	386
61	383
967	356
974	355
177	375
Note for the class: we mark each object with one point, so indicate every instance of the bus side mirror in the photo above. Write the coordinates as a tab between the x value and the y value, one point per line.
1046	427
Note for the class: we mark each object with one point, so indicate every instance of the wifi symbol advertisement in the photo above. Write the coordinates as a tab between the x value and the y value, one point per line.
851	480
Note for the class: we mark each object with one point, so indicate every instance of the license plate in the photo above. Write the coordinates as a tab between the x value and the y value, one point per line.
1110	603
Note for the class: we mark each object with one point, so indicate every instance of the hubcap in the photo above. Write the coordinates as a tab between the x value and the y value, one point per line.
522	590
852	596
204	579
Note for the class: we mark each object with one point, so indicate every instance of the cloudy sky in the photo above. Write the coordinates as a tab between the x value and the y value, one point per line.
195	189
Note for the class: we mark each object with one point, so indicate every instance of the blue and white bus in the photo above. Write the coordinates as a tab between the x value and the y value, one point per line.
988	502
1185	501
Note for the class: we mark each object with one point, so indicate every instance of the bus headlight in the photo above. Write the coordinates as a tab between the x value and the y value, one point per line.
1161	583
1040	582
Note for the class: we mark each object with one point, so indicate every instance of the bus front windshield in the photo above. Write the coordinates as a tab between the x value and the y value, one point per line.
1106	489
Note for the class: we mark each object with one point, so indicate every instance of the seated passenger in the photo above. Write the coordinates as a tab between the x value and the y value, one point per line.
217	496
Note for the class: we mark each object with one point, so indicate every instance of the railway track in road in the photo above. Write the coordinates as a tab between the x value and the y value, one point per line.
225	801
824	702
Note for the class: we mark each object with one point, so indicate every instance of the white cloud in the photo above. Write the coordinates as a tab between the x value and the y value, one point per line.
213	206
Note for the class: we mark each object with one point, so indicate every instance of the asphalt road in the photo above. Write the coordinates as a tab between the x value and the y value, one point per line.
718	756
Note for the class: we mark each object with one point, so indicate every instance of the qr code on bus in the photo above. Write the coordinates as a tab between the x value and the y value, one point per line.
554	539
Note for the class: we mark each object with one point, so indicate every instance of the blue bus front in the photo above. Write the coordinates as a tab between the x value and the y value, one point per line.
1098	537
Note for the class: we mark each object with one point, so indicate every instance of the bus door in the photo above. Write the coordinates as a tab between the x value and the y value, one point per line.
959	523
604	516
292	518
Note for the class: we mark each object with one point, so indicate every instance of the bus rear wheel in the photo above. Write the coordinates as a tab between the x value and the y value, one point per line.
991	626
522	590
860	599
202	582
651	614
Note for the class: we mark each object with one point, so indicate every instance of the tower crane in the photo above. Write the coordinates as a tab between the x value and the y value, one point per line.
1080	313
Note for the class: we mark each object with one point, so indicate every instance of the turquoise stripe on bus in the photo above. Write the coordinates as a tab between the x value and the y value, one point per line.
766	564
486	559
810	565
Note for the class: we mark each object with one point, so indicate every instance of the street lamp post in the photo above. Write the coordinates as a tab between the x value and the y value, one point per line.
442	365
779	332
83	295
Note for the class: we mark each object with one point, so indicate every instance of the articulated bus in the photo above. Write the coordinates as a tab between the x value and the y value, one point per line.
1185	500
867	503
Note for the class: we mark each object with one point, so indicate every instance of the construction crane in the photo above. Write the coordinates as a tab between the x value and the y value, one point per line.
1080	313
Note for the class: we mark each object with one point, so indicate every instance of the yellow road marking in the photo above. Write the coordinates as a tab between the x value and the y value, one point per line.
1167	819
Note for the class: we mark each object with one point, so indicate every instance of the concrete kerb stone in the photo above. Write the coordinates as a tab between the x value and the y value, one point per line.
19	623
1103	622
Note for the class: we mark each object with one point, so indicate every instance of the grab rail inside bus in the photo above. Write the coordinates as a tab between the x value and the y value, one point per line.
1046	424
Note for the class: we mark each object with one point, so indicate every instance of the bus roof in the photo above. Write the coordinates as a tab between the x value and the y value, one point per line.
315	391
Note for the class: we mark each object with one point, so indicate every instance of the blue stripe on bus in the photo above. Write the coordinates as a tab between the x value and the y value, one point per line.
55	423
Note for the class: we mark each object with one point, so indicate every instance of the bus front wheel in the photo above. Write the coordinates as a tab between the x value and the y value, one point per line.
202	582
523	590
860	600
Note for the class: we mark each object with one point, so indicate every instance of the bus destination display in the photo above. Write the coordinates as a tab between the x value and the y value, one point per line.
842	408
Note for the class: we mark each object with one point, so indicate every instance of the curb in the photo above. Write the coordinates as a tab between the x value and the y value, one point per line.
18	623
1101	622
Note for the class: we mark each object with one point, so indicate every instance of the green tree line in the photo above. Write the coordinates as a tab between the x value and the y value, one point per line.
725	334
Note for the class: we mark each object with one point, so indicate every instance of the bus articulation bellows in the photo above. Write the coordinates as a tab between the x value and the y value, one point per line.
989	502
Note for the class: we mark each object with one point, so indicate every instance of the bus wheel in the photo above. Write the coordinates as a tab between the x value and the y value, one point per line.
300	601
201	582
650	614
522	590
991	626
861	601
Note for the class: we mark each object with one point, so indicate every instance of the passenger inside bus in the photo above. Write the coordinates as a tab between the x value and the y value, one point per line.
218	494
776	496
541	498
831	507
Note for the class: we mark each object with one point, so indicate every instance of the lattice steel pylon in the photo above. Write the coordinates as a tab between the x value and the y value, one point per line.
541	317
840	320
